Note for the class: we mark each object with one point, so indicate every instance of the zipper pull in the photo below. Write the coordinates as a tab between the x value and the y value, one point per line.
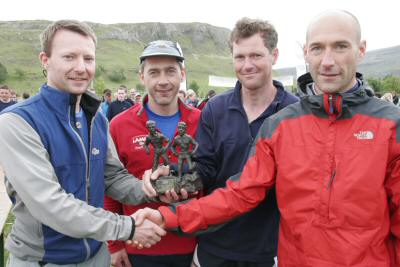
330	100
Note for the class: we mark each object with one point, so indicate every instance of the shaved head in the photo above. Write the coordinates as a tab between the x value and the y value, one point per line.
333	50
342	16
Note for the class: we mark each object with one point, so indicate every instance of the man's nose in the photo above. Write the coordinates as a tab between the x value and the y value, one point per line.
248	63
328	58
163	79
80	64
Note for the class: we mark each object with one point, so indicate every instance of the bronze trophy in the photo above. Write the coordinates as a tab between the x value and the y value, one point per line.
183	146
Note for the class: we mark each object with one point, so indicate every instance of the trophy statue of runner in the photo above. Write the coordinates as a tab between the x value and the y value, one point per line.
183	147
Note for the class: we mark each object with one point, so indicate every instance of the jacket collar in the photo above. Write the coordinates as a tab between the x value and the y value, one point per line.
333	103
61	102
236	101
184	109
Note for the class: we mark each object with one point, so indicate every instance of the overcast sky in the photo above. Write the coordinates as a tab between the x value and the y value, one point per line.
380	19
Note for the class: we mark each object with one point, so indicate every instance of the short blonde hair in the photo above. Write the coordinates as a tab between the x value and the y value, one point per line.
47	36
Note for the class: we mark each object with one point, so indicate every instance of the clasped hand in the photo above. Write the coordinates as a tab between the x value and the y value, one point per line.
149	228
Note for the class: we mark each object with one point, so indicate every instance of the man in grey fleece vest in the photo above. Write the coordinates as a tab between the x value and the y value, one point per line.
59	160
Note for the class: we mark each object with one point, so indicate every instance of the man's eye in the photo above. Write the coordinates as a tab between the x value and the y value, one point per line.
172	71
315	50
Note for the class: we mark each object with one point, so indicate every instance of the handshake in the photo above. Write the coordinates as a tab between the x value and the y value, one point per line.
149	228
149	223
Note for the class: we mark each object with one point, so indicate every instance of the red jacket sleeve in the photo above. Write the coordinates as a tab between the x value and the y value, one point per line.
243	193
393	191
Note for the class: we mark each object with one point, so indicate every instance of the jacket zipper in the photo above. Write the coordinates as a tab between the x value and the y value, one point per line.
331	180
328	187
85	242
250	144
331	107
88	196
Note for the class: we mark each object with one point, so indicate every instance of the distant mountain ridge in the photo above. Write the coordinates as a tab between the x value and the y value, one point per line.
205	48
381	62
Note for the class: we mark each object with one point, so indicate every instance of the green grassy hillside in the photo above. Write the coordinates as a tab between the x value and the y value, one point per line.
119	46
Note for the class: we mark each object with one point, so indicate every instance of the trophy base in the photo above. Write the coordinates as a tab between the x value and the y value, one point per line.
191	182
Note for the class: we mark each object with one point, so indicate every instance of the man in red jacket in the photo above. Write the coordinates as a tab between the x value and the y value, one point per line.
333	157
161	72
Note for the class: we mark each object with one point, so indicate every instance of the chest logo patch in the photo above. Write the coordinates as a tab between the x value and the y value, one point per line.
95	151
138	141
364	135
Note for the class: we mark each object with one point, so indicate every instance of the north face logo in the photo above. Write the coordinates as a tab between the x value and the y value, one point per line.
364	135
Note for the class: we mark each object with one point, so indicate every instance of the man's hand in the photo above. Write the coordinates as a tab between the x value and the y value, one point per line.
169	196
120	259
149	214
147	233
148	176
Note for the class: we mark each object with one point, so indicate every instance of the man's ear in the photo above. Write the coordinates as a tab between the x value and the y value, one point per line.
44	59
362	49
183	72
305	52
275	55
141	77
